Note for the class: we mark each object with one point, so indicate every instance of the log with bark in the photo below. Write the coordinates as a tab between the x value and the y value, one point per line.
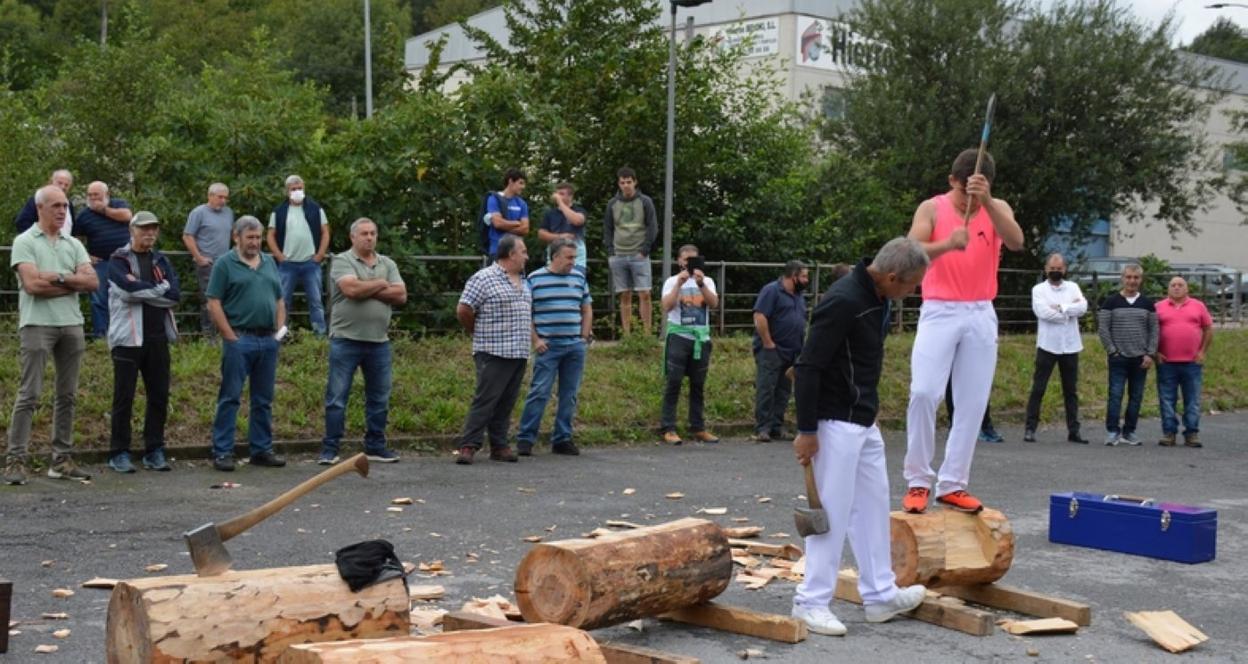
624	576
521	644
944	547
249	616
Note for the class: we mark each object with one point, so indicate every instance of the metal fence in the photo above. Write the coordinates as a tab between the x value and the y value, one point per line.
434	284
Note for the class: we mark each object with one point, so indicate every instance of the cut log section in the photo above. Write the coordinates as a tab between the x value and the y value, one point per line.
945	547
520	644
253	615
623	576
947	612
1167	629
615	653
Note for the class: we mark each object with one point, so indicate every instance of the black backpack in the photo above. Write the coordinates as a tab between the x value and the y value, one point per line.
483	226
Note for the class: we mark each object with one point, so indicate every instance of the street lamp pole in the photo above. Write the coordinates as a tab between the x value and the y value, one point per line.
669	167
368	62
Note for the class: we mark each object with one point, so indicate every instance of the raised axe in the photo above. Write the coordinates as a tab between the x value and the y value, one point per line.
207	542
811	520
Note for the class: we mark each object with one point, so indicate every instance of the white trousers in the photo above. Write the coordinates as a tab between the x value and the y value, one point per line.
958	339
852	481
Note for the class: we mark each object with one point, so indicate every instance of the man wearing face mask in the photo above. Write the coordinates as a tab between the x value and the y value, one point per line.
1058	305
779	327
298	238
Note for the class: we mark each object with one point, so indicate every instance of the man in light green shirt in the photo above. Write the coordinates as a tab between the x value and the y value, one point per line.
298	238
52	271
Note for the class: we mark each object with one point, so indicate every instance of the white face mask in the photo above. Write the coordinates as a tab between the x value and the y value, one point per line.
296	196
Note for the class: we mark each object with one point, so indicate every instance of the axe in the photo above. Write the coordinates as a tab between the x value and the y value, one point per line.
207	542
811	520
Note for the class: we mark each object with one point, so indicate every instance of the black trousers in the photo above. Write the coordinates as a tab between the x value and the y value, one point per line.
771	390
151	361
498	387
678	356
1068	366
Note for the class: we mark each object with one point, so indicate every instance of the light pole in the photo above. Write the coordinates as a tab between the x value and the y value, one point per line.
368	63
1225	5
671	138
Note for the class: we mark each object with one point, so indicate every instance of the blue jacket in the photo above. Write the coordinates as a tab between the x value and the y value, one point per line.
126	297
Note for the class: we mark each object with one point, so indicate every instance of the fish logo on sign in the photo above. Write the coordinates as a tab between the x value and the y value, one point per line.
812	42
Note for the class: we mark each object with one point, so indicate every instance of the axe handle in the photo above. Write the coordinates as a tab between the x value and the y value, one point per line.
231	528
812	494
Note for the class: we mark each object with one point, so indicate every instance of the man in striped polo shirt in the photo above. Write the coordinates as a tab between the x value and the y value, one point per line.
1127	325
562	320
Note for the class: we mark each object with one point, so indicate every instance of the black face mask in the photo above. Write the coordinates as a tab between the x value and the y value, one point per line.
1056	276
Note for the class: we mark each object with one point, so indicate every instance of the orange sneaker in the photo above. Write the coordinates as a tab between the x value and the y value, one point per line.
961	501
915	501
672	438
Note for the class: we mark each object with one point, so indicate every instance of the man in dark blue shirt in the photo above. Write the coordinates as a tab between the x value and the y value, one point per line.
567	220
779	328
105	223
29	215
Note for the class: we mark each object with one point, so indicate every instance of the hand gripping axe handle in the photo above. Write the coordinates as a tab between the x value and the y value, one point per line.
207	542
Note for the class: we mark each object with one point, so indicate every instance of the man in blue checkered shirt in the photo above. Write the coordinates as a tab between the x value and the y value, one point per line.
496	308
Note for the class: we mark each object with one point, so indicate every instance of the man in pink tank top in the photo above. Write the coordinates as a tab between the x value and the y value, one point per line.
957	333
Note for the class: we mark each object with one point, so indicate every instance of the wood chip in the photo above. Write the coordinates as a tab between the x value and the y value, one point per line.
46	650
401	501
744	559
751	653
54	616
62	593
48	563
740	519
551	528
1037	627
1167	629
637	625
61	634
614	523
751	580
533	538
629	491
100	582
432	566
426	619
596	533
764	499
1033	652
779	536
496	606
714	511
526	489
155	567
426	593
675	495
743	532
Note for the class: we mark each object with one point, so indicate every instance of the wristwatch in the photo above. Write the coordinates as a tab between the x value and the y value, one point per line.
60	279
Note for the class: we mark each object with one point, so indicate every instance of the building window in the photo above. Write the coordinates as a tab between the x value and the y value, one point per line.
834	103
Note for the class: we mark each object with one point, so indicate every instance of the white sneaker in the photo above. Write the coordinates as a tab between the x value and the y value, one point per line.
1111	438
1131	439
907	599
819	620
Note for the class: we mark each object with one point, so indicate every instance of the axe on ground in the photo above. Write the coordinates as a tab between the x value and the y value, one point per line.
207	542
811	520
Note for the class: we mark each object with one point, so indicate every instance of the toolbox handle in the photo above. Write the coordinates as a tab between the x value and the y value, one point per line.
1144	502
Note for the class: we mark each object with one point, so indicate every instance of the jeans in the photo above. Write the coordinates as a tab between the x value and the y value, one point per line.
65	346
307	276
1172	377
678	357
565	361
771	390
498	387
99	302
151	360
1130	373
373	360
252	359
1068	366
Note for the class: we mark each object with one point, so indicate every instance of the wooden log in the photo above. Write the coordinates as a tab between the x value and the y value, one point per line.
252	615
592	583
615	653
6	612
1022	601
942	611
518	644
741	621
949	548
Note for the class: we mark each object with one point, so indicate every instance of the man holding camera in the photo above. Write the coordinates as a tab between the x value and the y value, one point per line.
688	297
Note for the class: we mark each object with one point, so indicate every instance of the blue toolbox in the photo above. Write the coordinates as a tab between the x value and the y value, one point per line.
1135	525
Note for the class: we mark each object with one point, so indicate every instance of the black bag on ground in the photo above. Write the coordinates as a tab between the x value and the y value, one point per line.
366	563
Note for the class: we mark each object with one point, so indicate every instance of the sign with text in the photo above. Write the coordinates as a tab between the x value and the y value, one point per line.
762	34
834	45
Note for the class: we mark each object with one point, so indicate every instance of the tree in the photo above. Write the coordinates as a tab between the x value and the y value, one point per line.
1095	117
1223	40
28	155
435	14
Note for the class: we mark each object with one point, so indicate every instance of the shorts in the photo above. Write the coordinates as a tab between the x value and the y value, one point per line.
630	273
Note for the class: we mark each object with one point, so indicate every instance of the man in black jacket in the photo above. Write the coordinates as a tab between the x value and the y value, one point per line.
838	374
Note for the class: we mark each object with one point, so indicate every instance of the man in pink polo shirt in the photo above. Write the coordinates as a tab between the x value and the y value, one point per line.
957	334
1185	330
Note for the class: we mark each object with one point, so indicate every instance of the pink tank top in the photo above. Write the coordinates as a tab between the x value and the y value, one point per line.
969	275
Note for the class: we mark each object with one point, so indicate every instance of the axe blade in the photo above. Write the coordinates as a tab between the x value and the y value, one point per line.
208	552
810	521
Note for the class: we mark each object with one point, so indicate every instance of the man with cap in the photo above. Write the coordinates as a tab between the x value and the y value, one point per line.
141	297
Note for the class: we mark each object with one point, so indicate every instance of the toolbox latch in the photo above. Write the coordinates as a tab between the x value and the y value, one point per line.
1165	520
1074	508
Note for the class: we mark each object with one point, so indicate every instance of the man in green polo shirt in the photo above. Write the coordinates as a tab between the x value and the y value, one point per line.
52	271
245	302
364	286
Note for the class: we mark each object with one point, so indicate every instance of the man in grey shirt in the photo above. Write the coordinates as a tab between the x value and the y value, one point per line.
629	228
207	237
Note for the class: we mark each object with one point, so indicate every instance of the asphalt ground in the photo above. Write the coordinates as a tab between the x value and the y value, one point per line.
117	525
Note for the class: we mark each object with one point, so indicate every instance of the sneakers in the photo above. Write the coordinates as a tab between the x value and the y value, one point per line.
567	449
120	462
819	620
1167	440
327	458
503	454
705	437
224	464
761	437
267	460
384	456
464	456
672	438
961	501
1130	439
65	469
907	599
990	436
1029	436
155	460
1112	438
1076	438
524	448
915	501
1192	440
15	471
